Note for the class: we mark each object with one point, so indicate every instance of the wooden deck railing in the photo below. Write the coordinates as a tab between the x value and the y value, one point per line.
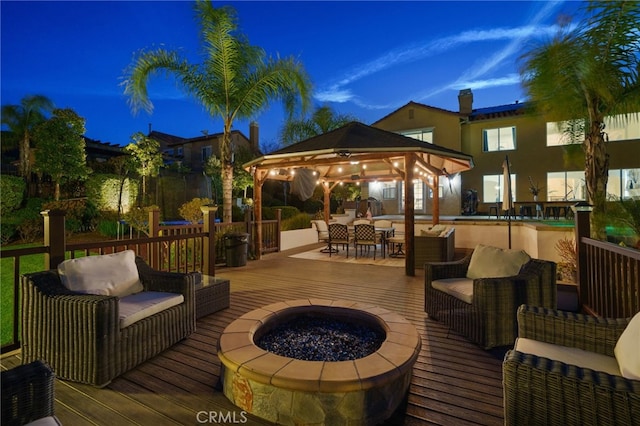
608	274
174	248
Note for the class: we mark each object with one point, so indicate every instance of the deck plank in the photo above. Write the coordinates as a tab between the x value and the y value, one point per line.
454	381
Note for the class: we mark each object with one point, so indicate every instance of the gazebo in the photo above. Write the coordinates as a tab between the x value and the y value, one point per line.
359	153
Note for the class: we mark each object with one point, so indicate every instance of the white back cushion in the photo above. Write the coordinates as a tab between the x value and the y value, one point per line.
494	262
109	275
627	350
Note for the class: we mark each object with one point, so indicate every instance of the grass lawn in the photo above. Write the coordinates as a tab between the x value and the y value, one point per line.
31	263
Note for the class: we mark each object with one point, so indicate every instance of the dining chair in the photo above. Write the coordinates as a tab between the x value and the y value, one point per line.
365	236
338	235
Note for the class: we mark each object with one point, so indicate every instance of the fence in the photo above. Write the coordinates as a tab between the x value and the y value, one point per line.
608	274
175	248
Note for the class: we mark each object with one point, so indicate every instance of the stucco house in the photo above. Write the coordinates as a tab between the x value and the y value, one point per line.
534	146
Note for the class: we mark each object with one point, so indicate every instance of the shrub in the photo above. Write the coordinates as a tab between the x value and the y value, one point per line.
107	228
299	221
287	211
104	190
12	189
7	232
191	212
138	218
31	229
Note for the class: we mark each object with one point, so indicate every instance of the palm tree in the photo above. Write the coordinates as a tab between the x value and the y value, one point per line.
21	120
323	120
589	73
235	80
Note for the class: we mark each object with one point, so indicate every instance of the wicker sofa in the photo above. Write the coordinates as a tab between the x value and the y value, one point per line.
545	390
440	248
488	316
28	395
80	335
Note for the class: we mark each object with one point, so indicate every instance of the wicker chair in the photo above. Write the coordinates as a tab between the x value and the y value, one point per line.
540	391
27	394
490	319
79	334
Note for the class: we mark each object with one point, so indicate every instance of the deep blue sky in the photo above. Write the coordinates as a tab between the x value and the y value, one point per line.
364	58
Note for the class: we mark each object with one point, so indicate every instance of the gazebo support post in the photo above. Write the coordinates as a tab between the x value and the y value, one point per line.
409	217
436	200
258	181
327	201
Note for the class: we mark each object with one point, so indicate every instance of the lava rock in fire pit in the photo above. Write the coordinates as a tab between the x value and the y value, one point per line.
310	338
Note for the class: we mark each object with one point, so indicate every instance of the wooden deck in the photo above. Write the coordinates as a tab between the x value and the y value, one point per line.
454	381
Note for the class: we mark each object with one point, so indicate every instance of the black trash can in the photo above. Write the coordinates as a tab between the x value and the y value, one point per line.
236	246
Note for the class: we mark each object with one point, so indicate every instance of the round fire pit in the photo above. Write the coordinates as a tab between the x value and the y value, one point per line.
292	391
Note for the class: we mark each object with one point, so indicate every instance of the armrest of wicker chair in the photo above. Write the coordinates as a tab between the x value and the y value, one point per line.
440	270
539	390
27	393
593	334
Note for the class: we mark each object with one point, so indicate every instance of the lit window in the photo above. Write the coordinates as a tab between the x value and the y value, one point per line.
623	183
501	139
562	186
565	132
620	128
389	191
424	135
492	188
418	195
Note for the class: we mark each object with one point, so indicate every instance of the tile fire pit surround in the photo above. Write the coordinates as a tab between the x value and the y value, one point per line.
289	391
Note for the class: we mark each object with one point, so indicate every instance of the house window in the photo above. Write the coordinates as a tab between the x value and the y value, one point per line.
440	192
492	188
424	135
206	153
501	139
389	191
621	128
623	183
565	132
617	127
180	151
562	186
418	195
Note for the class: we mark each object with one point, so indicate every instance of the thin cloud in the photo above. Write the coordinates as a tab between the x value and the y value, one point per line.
336	92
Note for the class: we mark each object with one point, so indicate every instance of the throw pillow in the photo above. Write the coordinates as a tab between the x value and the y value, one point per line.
109	275
627	350
429	233
494	262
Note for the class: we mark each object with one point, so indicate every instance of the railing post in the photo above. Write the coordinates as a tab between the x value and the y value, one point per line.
154	230
209	247
581	212
248	227
278	227
54	238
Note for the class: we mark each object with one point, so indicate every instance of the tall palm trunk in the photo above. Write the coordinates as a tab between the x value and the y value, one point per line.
25	146
226	156
596	174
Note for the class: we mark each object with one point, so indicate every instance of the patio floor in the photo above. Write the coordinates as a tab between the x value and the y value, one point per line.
454	381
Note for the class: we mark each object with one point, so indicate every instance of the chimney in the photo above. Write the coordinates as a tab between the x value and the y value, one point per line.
254	137
465	100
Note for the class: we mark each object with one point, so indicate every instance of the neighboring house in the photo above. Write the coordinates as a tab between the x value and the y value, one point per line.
101	151
194	152
533	145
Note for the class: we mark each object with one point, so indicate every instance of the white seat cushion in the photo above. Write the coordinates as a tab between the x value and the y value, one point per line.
570	356
108	275
494	262
627	350
45	421
460	288
144	304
